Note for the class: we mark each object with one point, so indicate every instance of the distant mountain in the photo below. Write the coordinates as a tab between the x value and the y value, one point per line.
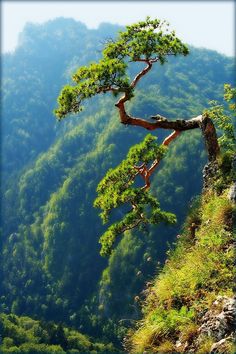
52	269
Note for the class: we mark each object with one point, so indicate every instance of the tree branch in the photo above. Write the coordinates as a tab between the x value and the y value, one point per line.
156	162
130	227
141	73
171	137
145	174
179	124
201	121
107	89
144	171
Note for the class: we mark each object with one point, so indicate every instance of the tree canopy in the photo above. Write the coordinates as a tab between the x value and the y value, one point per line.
147	42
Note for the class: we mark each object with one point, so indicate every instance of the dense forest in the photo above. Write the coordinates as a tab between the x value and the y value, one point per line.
56	291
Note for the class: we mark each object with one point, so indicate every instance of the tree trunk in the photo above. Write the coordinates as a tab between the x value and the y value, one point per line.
202	121
210	137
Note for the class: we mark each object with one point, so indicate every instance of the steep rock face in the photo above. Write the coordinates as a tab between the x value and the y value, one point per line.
191	307
209	172
232	193
232	190
218	323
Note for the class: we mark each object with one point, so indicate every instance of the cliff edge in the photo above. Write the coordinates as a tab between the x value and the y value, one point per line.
191	307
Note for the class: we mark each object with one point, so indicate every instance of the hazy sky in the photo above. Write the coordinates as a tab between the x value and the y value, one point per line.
209	24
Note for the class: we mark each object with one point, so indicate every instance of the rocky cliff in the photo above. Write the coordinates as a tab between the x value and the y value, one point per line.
191	307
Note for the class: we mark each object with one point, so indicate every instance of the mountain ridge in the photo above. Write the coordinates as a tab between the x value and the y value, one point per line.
51	171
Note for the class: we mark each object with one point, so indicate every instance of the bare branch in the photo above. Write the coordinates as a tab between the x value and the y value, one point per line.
166	142
154	165
203	122
141	73
141	60
171	137
107	89
179	124
144	171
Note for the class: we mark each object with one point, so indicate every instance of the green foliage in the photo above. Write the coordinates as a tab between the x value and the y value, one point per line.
229	96
51	268
144	41
226	173
115	190
25	335
167	322
160	330
224	120
200	268
147	40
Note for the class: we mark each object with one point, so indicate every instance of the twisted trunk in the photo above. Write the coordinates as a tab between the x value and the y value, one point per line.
179	125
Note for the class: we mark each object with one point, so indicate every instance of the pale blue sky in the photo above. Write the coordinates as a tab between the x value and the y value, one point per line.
209	24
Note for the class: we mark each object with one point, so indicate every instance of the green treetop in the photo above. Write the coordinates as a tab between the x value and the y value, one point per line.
147	42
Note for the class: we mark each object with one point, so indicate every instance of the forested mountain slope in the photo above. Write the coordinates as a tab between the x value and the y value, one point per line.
51	267
25	335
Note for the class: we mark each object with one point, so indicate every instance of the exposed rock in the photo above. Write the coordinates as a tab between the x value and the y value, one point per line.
232	193
234	164
218	323
219	320
178	344
221	346
181	346
209	174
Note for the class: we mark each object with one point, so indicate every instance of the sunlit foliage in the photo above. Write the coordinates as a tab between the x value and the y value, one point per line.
145	41
115	189
50	172
225	120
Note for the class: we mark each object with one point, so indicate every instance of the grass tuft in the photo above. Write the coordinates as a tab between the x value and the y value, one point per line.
198	270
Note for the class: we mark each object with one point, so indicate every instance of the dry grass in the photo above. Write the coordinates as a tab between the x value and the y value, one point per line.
197	271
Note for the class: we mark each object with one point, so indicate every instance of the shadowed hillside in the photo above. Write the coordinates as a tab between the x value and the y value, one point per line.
51	267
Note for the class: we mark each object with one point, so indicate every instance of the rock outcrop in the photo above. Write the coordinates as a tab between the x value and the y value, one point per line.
209	174
232	193
217	324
